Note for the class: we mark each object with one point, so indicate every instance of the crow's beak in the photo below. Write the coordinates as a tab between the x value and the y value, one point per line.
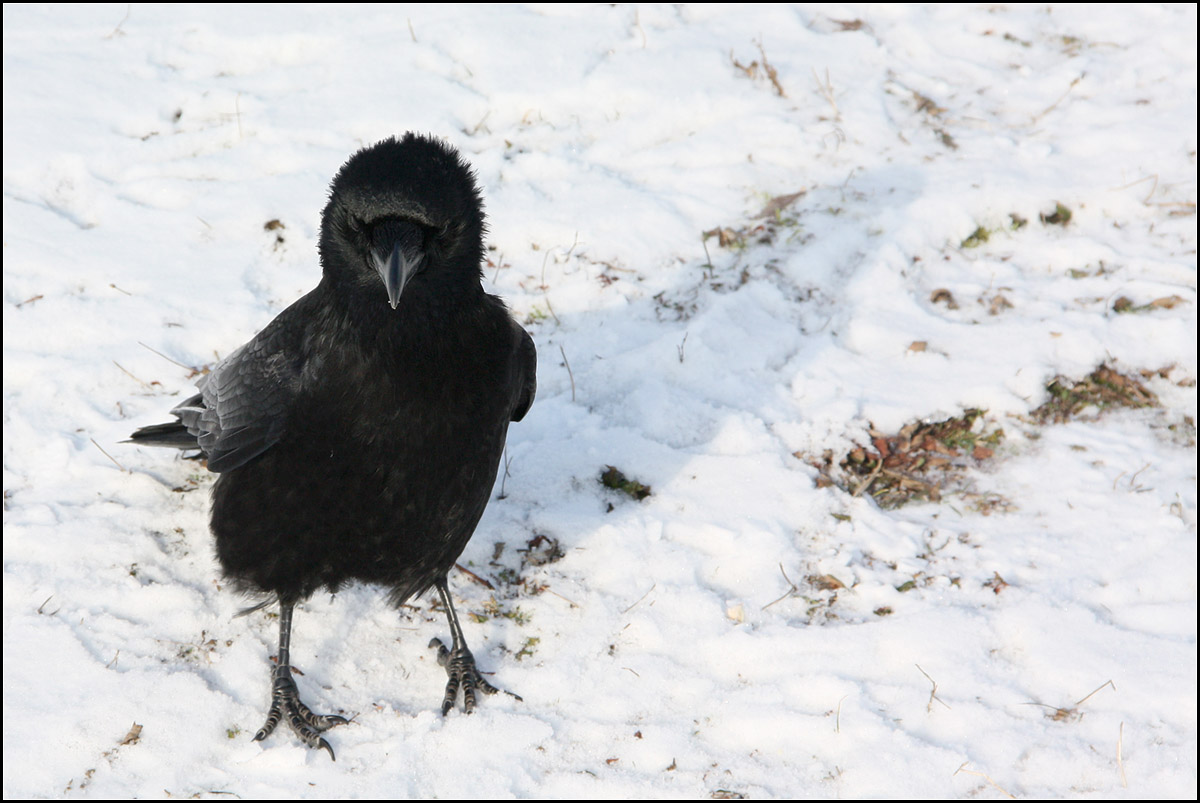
398	255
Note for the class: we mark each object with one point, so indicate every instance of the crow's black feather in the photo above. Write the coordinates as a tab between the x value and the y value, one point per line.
358	435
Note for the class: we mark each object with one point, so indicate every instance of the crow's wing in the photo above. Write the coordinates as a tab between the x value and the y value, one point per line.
525	382
243	403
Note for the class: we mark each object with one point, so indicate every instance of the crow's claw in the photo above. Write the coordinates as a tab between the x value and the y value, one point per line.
460	666
286	705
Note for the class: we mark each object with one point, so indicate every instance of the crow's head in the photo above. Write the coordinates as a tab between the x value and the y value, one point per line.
400	210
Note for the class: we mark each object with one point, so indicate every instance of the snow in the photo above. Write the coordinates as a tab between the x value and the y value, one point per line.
666	653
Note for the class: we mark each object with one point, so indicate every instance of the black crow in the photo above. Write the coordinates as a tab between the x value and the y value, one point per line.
357	436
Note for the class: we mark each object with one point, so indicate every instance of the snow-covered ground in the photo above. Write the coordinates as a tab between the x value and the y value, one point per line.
695	643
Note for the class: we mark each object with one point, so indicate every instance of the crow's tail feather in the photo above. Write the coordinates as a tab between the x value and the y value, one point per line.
173	435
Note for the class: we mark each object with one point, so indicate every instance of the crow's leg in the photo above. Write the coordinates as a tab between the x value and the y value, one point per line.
459	663
285	698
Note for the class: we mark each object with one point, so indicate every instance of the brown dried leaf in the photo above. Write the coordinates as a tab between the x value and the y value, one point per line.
778	204
826	582
943	296
725	237
1168	302
925	104
998	304
135	733
997	583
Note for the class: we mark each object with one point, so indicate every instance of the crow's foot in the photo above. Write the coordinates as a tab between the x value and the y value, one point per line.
460	666
286	705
